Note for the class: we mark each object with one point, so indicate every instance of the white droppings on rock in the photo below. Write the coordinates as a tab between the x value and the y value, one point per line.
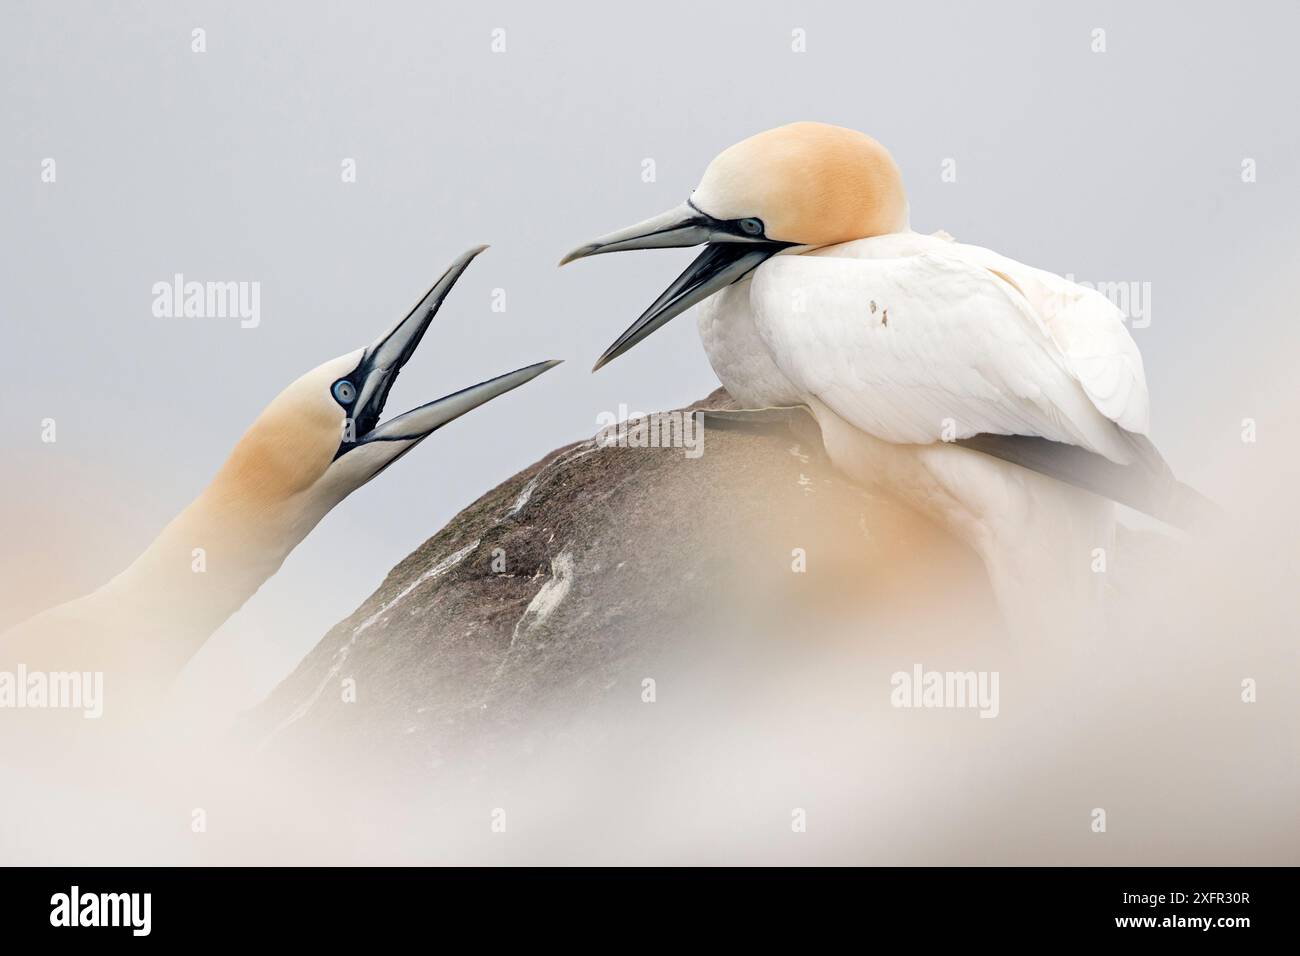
582	451
526	494
548	597
341	655
521	501
439	569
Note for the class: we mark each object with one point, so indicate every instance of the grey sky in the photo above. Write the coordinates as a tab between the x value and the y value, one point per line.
1115	166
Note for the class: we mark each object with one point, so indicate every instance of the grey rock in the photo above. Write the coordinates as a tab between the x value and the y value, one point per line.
612	564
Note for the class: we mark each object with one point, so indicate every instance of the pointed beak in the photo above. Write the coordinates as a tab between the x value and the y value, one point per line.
386	356
731	254
674	229
423	421
383	360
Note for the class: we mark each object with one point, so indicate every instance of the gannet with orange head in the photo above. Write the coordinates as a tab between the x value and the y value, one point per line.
317	441
1006	402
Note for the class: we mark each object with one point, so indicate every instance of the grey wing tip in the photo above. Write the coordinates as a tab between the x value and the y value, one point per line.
1148	485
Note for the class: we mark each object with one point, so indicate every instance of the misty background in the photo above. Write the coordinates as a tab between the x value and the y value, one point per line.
1122	166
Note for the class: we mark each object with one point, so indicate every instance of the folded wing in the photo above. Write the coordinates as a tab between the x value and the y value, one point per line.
929	347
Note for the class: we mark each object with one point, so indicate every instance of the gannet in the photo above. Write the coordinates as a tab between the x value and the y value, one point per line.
316	442
1005	402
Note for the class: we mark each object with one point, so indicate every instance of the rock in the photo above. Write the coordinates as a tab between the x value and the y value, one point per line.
558	594
650	679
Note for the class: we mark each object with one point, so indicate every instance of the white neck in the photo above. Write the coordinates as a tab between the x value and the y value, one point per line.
144	625
204	567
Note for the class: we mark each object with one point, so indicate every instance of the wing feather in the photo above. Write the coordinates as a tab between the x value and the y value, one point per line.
929	347
1087	328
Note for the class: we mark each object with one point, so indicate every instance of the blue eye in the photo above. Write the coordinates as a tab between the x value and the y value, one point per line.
344	391
751	227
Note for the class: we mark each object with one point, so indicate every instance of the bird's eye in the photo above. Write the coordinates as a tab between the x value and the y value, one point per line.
751	227
345	391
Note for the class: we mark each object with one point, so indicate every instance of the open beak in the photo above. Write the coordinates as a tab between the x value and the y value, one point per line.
383	361
731	254
421	422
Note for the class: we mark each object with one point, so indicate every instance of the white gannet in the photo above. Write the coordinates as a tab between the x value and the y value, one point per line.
316	442
1006	402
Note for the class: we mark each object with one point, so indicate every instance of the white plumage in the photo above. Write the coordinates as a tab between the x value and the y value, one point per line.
319	440
915	339
814	291
902	343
